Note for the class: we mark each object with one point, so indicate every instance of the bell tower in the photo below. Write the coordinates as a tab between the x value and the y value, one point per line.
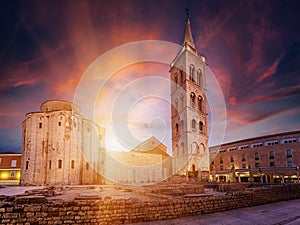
189	110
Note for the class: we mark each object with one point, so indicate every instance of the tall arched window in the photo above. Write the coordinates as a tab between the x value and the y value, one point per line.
181	77
193	99
199	77
200	102
192	73
176	128
59	164
176	150
181	126
72	164
201	126
182	102
193	124
182	148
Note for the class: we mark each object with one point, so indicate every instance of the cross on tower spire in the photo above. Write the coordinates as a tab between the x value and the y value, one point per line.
188	38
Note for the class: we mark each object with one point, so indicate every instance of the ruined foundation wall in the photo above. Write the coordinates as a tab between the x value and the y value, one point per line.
96	210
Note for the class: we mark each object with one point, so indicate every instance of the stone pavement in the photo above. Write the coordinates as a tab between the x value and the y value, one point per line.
280	213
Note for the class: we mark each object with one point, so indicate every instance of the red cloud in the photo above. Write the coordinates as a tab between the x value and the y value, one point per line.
271	70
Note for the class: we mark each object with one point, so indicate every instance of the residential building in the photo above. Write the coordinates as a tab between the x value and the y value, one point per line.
271	158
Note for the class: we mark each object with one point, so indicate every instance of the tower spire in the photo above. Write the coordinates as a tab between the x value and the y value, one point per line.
188	38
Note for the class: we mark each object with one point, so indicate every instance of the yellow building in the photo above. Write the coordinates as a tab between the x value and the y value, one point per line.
10	164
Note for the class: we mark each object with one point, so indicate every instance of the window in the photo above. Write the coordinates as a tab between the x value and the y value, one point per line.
244	165
181	76
176	127
256	156
176	150
200	126
221	167
271	154
50	164
176	79
72	164
289	163
272	164
221	159
27	164
243	158
231	159
182	148
193	99
40	125
193	124
59	123
200	103
192	73
12	174
289	153
13	163
181	126
87	166
199	73
256	165
59	164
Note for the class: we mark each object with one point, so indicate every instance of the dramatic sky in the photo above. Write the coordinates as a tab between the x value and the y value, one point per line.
252	47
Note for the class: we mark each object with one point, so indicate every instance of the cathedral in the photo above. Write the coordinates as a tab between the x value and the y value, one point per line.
59	146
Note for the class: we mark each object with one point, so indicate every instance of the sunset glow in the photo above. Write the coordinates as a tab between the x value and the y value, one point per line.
252	48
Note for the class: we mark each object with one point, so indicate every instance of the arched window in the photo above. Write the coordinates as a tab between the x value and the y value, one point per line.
176	79
176	150
200	102
59	164
181	126
193	168
181	77
27	165
72	164
201	126
193	99
182	148
194	148
199	77
192	73
176	128
182	102
193	124
50	164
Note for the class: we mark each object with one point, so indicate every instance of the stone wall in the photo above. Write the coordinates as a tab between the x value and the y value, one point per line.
97	210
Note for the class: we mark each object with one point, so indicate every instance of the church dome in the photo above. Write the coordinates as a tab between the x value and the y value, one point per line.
58	105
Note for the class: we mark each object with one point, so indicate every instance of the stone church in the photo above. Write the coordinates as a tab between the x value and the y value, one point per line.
59	146
189	114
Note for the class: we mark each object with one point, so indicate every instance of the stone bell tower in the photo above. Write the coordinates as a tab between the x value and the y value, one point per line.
189	110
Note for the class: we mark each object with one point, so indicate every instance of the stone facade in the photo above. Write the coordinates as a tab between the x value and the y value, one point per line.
61	147
271	158
189	112
105	210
